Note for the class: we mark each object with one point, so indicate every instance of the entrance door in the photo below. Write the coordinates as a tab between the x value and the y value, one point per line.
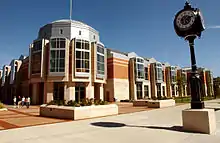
80	93
58	91
158	90
139	91
41	93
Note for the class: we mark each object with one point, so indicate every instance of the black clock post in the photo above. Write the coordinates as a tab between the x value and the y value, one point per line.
188	23
195	81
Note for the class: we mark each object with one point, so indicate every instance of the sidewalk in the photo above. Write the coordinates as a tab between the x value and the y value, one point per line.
154	126
23	117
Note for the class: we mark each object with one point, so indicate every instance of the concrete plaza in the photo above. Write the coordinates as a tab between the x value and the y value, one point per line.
160	125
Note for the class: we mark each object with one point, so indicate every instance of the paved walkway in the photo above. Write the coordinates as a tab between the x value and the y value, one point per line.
154	126
23	117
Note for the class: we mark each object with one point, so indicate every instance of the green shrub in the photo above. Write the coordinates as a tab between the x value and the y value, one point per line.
86	102
97	101
154	98
1	105
71	103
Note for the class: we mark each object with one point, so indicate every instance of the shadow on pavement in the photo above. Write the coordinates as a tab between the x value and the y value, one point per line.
116	125
108	124
216	109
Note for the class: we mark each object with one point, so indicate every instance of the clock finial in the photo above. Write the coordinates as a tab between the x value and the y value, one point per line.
187	5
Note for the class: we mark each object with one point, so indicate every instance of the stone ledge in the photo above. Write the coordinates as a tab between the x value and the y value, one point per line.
4	109
161	103
199	120
76	113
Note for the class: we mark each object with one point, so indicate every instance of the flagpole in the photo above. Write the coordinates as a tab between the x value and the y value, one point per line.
71	8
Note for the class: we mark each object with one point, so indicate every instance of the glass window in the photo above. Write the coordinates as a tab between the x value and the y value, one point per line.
146	73
173	90
37	46
140	73
159	73
57	55
140	60
36	63
139	90
78	54
78	44
164	91
158	90
146	91
87	45
173	75
100	49
100	60
82	56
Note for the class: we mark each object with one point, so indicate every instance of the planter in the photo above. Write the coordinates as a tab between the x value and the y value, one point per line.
140	103
76	113
3	109
160	103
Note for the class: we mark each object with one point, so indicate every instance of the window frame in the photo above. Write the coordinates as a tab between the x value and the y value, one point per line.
139	68
84	48
57	51
146	91
100	73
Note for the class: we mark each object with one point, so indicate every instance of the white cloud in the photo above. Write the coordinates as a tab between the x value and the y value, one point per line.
214	27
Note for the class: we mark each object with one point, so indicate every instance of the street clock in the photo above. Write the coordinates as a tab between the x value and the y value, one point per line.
189	21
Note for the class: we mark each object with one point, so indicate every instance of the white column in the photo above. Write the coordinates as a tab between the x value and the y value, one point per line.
135	91
101	92
70	93
48	91
90	91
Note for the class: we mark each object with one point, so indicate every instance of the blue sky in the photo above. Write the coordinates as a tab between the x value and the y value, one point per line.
142	26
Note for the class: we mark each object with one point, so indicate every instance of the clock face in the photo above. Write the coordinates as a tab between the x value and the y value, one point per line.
185	20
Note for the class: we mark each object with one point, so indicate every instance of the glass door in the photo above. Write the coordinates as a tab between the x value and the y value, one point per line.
80	93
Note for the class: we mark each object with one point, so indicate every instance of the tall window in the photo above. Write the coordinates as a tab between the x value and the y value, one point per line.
158	90
146	91
57	55
139	68
184	77
163	90
173	74
37	46
146	73
100	60
159	72
82	56
173	90
36	57
139	90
